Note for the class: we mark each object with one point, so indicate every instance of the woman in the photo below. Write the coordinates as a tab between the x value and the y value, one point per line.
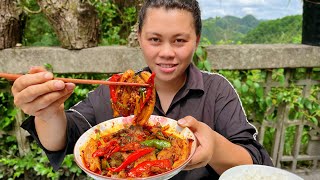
169	33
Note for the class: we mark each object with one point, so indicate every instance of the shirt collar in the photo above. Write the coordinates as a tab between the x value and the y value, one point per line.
194	83
194	79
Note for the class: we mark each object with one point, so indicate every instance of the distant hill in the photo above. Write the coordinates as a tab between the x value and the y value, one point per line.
227	28
284	30
249	30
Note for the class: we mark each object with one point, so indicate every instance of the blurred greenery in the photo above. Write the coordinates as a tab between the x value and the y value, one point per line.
37	31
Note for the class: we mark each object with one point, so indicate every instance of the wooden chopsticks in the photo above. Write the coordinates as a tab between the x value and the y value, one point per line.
13	77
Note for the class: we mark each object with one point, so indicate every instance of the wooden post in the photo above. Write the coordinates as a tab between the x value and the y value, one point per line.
21	134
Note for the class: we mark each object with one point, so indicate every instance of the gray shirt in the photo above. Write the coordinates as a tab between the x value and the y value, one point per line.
209	98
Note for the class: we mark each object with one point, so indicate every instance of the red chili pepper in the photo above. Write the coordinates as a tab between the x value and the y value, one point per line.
145	167
99	143
131	158
108	150
114	78
149	89
113	150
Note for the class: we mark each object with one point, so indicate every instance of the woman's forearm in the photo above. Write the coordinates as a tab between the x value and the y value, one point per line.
227	155
52	131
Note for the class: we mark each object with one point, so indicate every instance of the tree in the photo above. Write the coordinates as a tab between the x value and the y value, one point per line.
75	22
10	24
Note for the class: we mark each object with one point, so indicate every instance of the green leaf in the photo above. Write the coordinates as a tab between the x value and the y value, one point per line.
314	120
199	52
282	79
48	67
249	83
256	85
280	97
259	92
207	65
244	88
308	104
269	101
200	65
237	83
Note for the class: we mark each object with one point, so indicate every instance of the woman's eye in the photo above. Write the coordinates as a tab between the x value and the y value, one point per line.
154	39
180	40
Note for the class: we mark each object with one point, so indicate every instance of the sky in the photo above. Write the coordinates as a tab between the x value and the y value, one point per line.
261	9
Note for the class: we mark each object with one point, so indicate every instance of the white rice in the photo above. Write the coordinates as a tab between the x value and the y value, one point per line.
255	174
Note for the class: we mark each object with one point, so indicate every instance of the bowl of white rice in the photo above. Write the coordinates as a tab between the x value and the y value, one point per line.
258	172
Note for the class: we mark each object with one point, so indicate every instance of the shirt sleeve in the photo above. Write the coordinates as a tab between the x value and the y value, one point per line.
80	118
231	122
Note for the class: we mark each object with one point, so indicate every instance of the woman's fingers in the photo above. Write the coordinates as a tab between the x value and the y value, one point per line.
38	94
200	157
205	137
36	75
52	108
45	97
190	122
30	79
200	129
30	93
36	69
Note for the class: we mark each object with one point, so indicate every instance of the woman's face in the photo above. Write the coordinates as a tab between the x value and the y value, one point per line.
168	41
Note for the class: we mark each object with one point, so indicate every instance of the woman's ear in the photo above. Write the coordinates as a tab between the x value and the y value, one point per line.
198	40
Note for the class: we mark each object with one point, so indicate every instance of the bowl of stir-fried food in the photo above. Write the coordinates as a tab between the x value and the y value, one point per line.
117	149
135	144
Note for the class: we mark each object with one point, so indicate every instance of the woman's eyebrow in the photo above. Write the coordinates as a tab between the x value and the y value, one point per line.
153	33
186	35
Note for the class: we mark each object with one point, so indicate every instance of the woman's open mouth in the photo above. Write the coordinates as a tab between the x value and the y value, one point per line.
167	68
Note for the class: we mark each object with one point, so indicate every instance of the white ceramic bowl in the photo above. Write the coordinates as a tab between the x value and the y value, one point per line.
115	124
257	172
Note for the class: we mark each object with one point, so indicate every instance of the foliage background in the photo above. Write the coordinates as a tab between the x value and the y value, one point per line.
115	28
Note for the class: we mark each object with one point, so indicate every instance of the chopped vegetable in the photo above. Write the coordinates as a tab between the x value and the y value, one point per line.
157	143
108	150
145	167
131	158
114	78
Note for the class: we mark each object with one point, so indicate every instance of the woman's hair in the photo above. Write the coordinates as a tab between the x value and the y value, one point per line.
188	5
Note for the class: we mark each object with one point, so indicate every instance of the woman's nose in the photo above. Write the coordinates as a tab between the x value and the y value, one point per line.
167	51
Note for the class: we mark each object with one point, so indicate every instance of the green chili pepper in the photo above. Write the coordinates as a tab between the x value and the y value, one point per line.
157	143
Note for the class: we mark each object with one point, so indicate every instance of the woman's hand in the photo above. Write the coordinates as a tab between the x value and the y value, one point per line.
39	95
206	140
213	148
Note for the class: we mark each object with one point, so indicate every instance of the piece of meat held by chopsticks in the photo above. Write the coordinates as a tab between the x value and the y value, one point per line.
128	100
